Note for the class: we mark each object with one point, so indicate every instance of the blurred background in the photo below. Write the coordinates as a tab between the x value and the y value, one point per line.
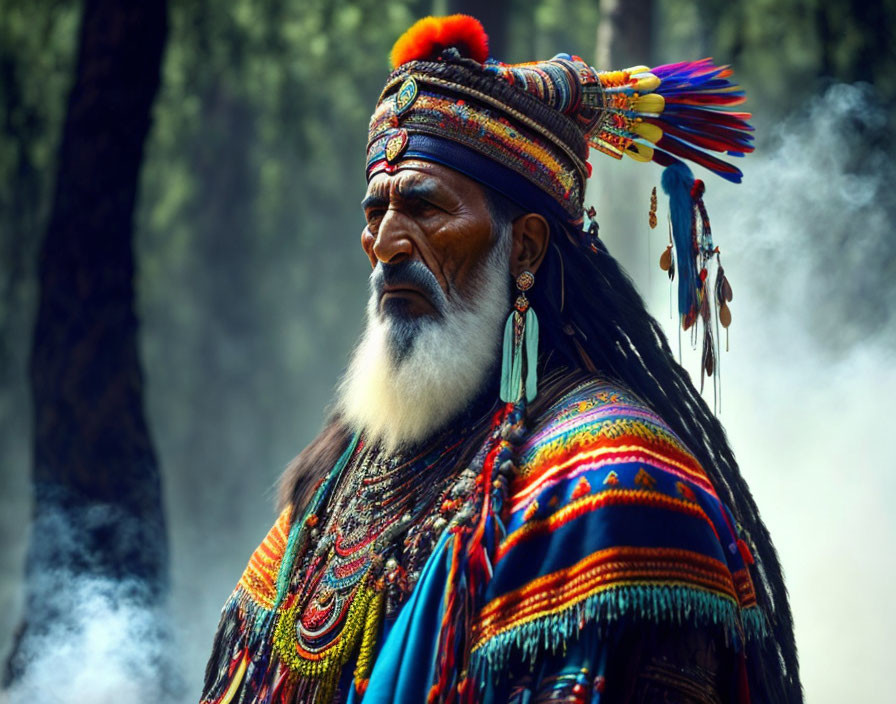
181	283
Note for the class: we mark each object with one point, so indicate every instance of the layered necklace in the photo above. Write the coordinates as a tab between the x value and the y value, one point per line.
366	548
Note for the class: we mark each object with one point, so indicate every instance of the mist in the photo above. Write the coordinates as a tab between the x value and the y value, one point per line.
806	241
111	650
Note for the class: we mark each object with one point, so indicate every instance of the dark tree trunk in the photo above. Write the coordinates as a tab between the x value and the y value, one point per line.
624	39
494	16
625	34
97	489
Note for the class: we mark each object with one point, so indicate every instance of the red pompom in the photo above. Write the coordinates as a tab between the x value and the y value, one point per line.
429	37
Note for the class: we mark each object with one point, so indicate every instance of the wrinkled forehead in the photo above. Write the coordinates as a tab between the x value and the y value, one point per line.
420	178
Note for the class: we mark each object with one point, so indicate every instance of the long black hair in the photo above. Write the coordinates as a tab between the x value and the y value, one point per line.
591	317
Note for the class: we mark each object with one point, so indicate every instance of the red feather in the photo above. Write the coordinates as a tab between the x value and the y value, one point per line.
683	150
429	37
708	138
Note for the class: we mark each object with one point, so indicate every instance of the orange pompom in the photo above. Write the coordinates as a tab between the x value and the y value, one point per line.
428	38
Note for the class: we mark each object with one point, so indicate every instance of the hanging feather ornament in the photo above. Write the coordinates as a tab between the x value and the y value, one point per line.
677	182
666	263
723	298
700	301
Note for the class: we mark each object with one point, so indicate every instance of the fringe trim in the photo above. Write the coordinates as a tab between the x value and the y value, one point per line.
243	629
604	610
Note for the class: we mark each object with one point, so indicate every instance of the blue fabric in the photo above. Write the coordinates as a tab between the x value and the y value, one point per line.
606	527
404	667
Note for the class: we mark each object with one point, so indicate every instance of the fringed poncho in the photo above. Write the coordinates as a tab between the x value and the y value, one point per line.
609	570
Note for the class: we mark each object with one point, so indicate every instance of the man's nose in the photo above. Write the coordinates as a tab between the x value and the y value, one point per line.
393	240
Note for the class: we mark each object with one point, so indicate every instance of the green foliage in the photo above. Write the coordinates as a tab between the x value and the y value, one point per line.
37	42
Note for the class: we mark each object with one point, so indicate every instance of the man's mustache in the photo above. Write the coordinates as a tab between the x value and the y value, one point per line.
408	274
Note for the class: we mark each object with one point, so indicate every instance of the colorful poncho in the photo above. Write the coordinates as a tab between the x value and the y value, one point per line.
610	533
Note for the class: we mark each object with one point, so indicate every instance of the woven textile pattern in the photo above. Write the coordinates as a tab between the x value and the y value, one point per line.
622	522
487	131
609	522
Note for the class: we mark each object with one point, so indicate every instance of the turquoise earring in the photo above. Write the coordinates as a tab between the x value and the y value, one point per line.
520	347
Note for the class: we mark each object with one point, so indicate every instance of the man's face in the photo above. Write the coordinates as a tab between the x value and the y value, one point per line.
439	296
429	229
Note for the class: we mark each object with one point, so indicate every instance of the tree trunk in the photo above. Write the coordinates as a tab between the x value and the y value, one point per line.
624	39
494	16
97	489
624	34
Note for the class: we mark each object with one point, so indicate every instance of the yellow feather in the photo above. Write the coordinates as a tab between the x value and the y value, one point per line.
639	152
652	103
604	147
636	69
647	83
651	133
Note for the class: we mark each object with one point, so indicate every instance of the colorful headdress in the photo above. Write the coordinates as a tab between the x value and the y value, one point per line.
525	130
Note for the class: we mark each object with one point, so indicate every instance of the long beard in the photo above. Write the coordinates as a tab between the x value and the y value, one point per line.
401	386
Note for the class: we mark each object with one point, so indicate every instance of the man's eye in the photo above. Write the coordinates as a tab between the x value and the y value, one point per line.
424	207
375	215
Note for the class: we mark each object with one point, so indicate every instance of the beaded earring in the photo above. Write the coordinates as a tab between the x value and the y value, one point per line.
520	347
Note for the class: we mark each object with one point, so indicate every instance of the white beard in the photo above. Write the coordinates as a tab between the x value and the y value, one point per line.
401	399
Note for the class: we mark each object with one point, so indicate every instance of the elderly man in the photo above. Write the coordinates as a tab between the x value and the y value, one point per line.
521	496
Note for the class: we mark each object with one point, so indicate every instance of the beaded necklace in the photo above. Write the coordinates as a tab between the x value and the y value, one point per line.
369	541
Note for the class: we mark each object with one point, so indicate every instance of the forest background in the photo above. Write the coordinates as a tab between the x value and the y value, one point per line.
237	287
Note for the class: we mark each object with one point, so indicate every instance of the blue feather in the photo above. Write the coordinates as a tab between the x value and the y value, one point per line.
677	182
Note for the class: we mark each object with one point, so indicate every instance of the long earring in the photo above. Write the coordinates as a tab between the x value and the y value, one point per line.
520	347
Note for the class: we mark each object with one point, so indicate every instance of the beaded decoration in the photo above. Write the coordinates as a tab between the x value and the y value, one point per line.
314	595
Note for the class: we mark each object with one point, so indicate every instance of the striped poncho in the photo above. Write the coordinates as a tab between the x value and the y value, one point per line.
613	569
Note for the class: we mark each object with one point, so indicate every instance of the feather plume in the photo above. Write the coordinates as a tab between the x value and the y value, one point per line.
426	39
674	113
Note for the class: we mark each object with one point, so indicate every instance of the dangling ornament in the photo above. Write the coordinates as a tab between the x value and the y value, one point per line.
700	300
593	231
520	347
651	216
666	263
723	298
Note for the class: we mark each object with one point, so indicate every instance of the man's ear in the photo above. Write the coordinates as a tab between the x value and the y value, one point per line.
531	236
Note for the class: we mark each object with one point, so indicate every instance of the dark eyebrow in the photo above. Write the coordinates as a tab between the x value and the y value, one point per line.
374	201
416	190
421	190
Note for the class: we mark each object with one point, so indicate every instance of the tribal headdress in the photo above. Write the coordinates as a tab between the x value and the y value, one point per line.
525	130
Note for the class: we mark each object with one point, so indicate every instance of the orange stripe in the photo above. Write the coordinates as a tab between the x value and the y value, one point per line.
599	572
259	577
744	584
617	430
594	454
592	502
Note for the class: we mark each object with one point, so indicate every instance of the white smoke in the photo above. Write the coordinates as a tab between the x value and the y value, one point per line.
809	246
107	647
